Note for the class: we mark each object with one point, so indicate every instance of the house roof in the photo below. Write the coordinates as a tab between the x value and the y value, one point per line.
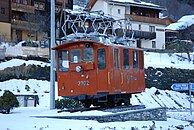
137	3
182	23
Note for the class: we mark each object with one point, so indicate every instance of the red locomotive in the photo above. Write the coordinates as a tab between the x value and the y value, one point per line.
99	74
94	70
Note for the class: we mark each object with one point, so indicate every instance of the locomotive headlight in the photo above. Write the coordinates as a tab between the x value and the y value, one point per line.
78	68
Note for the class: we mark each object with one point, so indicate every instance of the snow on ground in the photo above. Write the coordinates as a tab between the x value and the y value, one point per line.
18	62
156	60
22	118
168	60
150	98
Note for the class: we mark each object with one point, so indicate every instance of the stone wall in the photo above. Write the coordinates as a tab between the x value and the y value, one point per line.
163	78
154	114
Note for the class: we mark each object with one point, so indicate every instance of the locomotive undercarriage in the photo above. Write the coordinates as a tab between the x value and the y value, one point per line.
107	101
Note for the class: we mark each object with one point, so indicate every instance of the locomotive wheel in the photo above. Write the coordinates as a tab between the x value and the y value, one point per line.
86	104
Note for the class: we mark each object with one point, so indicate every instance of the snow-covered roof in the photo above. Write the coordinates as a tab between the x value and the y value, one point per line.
182	23
139	3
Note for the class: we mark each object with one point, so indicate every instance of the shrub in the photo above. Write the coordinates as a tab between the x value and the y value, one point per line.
67	103
8	101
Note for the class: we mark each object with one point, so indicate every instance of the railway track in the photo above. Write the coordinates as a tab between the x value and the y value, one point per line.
113	109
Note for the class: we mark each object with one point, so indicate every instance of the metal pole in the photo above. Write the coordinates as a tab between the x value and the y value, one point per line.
52	57
190	98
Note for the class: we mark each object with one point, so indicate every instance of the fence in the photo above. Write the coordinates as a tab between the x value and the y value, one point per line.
26	51
2	52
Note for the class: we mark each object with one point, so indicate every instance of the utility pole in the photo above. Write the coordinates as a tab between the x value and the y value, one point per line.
52	57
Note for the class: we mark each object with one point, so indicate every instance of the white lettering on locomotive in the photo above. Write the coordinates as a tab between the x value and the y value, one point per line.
83	83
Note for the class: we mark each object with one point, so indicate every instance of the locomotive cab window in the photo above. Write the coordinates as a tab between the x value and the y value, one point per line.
116	58
75	55
135	59
88	54
63	62
101	58
125	59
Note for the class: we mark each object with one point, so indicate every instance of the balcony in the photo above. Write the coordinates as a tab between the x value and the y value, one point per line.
23	25
137	34
144	35
22	7
146	19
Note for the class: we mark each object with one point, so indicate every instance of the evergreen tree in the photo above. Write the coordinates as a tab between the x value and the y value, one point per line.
8	101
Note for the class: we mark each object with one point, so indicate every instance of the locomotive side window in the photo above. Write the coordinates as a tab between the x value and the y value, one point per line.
101	58
63	60
116	58
125	59
135	59
75	55
88	54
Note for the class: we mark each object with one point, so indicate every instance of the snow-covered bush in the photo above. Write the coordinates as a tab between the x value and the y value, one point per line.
67	103
7	102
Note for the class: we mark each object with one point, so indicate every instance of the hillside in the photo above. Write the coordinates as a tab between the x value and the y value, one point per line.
161	69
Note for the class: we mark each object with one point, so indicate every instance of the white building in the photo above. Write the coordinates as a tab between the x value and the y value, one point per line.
149	29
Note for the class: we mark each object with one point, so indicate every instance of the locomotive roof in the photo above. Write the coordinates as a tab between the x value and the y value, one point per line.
65	44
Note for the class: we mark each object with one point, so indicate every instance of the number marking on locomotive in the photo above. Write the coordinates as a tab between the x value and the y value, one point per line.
83	83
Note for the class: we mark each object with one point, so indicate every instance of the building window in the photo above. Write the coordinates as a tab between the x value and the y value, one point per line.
2	10
119	11
152	29
17	1
36	5
128	27
39	6
25	2
58	9
153	44
86	25
80	24
139	26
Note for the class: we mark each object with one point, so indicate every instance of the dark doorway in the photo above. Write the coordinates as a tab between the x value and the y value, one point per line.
139	43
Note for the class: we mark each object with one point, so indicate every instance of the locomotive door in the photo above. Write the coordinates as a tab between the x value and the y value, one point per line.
135	71
83	77
102	71
116	72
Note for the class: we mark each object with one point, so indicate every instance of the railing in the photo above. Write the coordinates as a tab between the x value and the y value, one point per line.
2	52
22	7
146	19
34	51
144	35
137	34
24	25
